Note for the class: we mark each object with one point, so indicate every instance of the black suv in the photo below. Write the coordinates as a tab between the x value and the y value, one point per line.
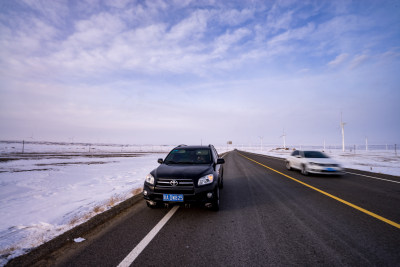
189	174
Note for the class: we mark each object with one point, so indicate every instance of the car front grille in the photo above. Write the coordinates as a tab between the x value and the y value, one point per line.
166	185
328	165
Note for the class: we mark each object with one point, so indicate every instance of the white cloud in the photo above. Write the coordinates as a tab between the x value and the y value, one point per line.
117	3
192	27
285	41
224	42
161	49
358	60
53	11
235	17
338	60
279	21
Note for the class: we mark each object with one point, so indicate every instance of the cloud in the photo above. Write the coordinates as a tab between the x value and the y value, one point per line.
109	64
234	17
358	60
277	21
51	11
338	60
284	42
224	42
192	27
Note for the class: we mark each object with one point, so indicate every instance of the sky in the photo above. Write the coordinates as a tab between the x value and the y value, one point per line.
182	71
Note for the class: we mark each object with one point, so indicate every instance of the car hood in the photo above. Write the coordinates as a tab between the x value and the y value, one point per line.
182	171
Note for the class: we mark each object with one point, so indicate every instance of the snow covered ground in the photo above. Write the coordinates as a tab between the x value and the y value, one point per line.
53	187
49	190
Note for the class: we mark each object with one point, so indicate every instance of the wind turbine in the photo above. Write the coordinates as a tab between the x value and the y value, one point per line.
284	138
261	140
342	124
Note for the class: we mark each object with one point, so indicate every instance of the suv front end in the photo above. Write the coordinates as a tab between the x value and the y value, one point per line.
185	182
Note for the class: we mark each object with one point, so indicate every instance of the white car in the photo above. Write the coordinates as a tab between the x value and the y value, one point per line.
313	162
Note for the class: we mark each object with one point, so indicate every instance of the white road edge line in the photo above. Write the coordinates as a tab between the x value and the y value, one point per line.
374	177
147	239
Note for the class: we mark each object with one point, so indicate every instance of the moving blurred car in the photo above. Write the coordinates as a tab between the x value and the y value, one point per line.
313	162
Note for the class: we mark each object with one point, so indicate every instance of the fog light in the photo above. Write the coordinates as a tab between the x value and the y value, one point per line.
145	192
209	195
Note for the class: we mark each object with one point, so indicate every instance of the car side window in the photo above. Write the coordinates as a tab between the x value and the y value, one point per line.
295	153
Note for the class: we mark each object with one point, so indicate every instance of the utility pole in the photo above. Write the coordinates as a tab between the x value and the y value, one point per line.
366	143
342	124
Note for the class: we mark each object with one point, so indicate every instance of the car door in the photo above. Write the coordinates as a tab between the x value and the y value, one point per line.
296	159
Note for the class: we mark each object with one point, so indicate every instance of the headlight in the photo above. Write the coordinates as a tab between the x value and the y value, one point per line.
208	179
149	179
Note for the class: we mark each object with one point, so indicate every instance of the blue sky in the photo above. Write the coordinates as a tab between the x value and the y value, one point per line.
171	72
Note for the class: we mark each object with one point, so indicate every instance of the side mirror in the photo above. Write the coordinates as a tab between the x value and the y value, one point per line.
160	161
220	161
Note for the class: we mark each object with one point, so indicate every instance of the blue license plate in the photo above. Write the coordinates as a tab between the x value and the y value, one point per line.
330	169
173	197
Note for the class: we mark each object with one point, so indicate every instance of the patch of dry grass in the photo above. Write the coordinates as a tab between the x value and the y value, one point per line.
100	208
7	251
137	191
74	221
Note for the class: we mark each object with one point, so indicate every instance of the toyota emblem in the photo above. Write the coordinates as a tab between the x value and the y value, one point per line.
173	182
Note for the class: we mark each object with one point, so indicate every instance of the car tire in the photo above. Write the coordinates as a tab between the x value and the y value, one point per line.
288	165
215	203
304	170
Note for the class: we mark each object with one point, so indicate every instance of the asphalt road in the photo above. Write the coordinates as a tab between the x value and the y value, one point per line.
265	219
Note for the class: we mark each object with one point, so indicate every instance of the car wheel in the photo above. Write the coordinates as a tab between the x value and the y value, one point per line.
304	169
288	165
215	204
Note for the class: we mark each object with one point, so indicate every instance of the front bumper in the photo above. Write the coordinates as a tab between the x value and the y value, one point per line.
195	195
316	169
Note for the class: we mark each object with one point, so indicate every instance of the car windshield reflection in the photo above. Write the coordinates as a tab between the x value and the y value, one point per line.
189	156
314	154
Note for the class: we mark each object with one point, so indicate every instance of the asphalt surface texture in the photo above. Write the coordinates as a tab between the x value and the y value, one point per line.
265	219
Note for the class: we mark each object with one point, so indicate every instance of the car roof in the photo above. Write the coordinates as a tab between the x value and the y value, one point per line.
192	147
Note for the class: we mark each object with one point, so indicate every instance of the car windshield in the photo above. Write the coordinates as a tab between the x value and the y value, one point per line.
189	156
314	154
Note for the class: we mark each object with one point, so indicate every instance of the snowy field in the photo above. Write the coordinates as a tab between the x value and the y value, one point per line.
52	187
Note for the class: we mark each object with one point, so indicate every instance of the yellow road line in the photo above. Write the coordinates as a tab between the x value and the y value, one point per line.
331	196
